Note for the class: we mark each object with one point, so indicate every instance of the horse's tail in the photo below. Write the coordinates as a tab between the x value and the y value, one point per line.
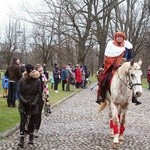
102	106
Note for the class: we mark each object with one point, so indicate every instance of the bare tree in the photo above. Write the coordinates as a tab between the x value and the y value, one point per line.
43	43
133	18
102	18
78	24
9	45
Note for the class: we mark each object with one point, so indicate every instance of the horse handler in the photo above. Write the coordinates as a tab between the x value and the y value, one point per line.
28	94
114	55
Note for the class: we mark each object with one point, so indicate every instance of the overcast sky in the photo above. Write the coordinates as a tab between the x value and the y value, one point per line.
13	8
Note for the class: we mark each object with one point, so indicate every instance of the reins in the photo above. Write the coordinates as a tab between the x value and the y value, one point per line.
130	85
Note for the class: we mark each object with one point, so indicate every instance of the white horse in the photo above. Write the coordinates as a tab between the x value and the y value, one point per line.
125	83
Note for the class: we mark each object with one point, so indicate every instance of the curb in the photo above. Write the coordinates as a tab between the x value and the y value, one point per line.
14	129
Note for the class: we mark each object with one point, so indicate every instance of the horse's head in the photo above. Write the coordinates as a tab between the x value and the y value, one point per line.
135	81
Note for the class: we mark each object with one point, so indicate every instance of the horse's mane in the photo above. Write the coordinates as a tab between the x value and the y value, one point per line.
129	65
123	68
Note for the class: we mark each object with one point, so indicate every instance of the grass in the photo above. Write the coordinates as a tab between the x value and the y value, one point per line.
9	117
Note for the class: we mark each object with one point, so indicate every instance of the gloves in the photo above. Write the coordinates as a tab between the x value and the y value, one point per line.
34	103
25	101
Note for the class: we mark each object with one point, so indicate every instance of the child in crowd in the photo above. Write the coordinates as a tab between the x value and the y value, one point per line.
5	83
51	79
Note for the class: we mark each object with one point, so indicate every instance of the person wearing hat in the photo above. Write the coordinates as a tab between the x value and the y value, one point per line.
116	52
29	92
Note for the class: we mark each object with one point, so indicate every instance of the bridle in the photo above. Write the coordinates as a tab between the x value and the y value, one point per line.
129	83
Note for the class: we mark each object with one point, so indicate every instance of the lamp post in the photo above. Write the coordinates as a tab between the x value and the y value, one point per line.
22	41
17	23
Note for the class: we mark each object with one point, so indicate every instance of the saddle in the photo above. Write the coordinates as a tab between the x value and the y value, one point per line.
106	78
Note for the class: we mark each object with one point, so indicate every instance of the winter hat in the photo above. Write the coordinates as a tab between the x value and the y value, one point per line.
29	68
119	33
120	44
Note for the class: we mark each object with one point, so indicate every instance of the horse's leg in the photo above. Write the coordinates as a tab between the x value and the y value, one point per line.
122	123
111	122
115	122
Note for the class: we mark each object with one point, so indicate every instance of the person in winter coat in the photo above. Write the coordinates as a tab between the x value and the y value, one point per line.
78	76
56	76
29	92
14	74
63	77
69	77
44	90
148	76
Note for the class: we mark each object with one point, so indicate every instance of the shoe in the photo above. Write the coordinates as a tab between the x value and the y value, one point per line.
21	142
9	105
137	103
134	100
14	106
99	100
56	91
31	139
36	133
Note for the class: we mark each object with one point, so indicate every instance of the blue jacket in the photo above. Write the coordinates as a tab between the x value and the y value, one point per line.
5	82
128	54
63	74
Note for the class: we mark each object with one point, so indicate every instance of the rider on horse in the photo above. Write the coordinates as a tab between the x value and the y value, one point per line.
116	52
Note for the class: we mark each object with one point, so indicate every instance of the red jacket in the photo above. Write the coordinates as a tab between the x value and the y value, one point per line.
148	75
78	75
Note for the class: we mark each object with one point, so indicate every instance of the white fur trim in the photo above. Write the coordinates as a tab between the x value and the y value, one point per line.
114	51
128	45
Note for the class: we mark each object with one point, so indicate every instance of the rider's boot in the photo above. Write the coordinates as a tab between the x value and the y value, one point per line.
21	141
31	138
134	100
99	100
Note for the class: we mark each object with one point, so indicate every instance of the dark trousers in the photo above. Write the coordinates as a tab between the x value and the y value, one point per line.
12	92
78	84
23	120
149	84
38	117
63	84
85	82
56	81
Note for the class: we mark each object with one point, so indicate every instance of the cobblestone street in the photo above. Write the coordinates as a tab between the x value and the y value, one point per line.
75	124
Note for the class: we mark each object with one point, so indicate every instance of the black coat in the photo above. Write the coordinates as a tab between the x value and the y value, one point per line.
29	93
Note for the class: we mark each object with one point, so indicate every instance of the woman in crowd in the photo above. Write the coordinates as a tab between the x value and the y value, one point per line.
29	92
44	94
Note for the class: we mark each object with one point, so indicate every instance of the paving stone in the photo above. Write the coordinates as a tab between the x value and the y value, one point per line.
75	124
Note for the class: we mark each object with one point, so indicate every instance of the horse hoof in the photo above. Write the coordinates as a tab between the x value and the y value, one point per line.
111	135
116	139
115	145
121	138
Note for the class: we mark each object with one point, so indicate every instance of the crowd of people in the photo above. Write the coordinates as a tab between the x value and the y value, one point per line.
69	75
29	84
